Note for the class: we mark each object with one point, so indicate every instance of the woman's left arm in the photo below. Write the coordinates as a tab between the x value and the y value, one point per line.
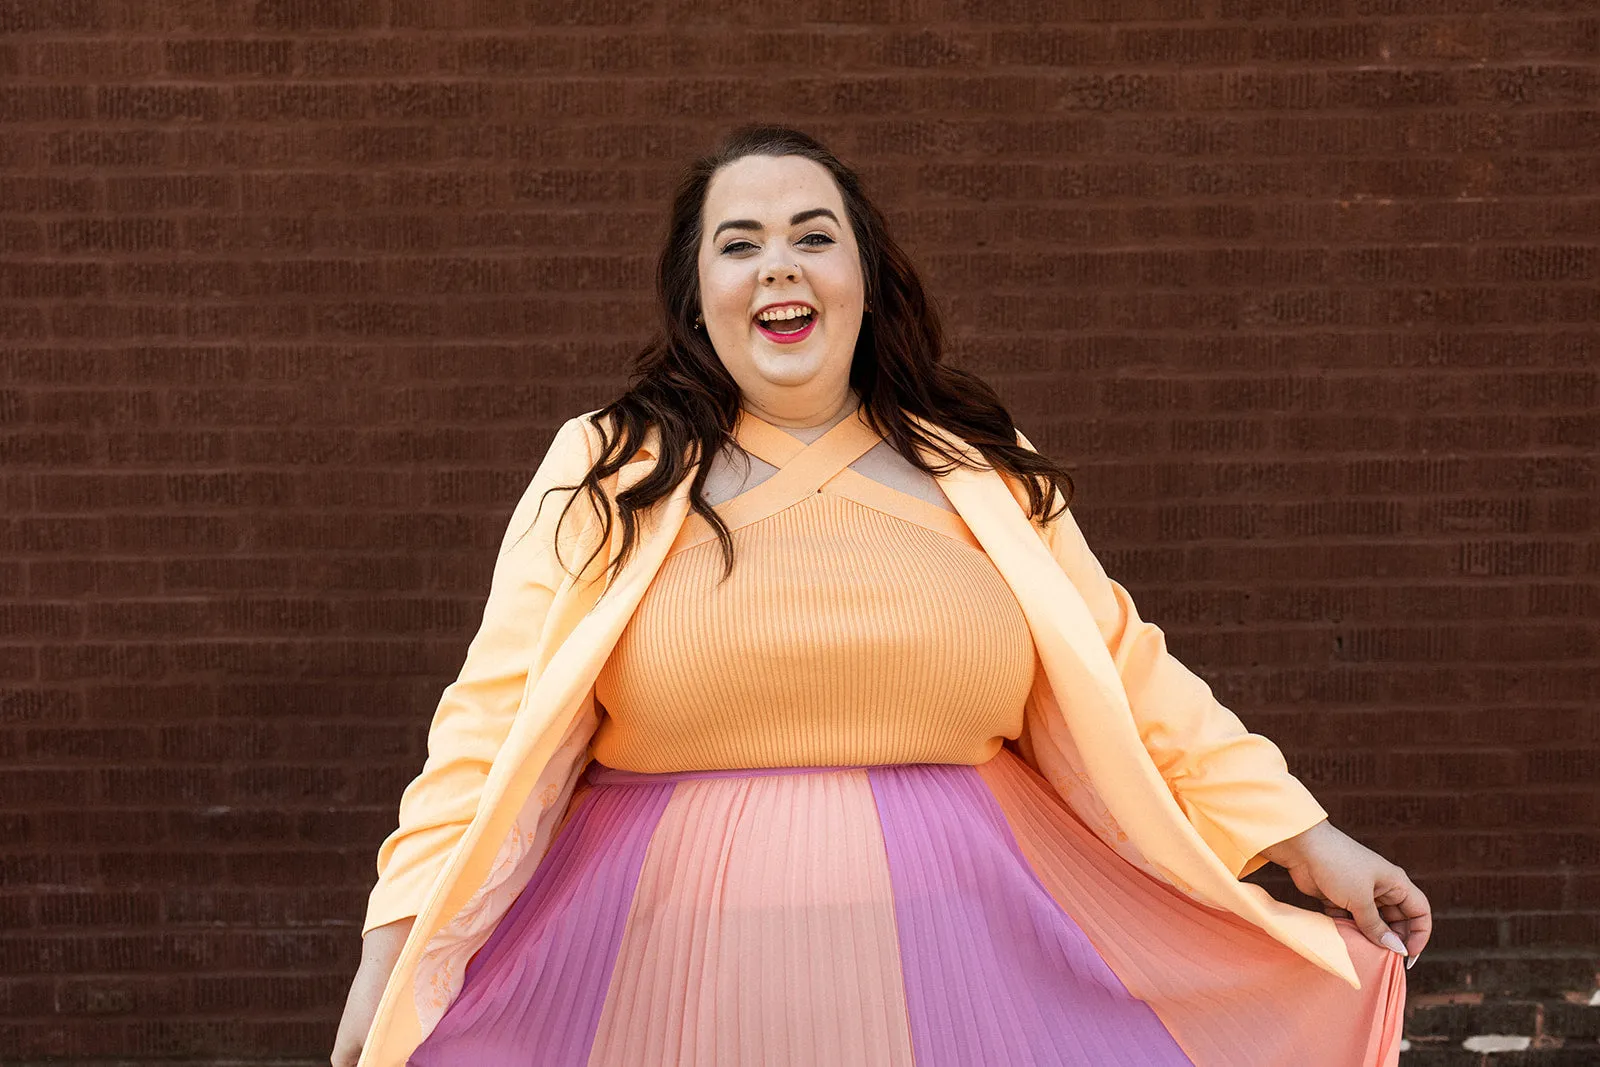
1233	785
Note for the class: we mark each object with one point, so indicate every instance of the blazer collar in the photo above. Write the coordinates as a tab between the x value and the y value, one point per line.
643	460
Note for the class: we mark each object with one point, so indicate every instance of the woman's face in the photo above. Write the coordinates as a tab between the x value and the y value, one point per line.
775	236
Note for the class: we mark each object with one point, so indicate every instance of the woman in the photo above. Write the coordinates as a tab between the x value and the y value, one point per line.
824	754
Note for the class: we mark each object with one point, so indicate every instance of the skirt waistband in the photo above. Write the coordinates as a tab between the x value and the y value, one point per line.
599	774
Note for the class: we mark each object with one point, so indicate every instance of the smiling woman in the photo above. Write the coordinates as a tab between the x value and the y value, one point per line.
912	783
781	286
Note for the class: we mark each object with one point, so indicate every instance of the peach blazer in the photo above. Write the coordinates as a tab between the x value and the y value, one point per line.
1132	741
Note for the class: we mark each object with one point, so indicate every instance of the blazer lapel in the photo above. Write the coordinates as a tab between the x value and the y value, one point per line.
1091	699
558	690
553	697
1076	660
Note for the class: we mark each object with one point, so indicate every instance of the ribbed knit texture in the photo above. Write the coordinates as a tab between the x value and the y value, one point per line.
843	636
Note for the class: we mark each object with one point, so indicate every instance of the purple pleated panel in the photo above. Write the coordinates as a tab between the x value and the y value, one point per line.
533	994
996	973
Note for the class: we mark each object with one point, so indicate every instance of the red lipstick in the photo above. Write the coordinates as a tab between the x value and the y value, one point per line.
788	338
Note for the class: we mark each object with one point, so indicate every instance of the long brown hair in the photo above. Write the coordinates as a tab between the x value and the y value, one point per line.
678	384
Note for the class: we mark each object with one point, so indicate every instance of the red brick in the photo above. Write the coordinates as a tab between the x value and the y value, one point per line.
230	58
97	492
53	579
1305	300
18	16
150	193
38	705
105	148
96	743
293	906
30	953
41	103
78	910
302	15
22	998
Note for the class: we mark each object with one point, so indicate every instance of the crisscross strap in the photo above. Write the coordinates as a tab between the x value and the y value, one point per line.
811	466
805	469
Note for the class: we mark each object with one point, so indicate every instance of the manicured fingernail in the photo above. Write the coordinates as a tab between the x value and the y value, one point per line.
1412	962
1392	941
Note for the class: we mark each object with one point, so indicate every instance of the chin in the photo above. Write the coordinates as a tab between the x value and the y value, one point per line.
784	368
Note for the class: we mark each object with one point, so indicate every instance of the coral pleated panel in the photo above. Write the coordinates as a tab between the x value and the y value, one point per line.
1227	990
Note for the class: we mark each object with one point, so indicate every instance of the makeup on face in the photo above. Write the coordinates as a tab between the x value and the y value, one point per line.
781	285
786	323
783	321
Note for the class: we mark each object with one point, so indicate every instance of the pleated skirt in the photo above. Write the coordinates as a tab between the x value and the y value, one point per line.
930	914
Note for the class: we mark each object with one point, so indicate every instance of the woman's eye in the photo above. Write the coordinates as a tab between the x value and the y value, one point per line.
822	240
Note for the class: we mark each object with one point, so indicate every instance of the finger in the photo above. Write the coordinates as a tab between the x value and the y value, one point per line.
1418	919
1416	915
1364	911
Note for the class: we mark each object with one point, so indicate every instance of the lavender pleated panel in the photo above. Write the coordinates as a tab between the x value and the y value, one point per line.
996	974
533	994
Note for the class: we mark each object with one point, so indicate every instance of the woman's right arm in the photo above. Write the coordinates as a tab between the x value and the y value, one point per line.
379	951
473	718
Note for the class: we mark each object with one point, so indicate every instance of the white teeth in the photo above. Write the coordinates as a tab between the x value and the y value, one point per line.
777	314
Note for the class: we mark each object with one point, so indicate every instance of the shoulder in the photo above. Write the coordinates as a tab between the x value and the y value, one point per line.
566	463
579	436
1019	490
573	450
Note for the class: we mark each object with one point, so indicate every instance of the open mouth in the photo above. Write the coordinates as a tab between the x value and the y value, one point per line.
786	325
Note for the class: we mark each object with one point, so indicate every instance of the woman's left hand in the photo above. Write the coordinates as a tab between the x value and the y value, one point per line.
1346	876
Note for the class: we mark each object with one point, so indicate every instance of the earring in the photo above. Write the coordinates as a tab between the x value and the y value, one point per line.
699	322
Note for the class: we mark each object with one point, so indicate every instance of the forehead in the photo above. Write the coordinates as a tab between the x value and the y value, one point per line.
769	189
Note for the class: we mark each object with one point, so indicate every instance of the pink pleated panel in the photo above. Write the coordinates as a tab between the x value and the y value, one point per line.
743	947
1230	994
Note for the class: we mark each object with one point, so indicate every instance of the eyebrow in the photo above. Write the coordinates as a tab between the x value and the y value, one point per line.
794	220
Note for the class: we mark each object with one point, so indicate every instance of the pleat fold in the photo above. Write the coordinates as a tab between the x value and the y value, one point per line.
1229	993
995	972
762	932
938	915
533	993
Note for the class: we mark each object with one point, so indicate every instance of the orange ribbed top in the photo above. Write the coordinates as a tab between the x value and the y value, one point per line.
861	625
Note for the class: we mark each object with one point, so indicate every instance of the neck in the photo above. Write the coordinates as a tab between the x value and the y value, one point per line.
803	422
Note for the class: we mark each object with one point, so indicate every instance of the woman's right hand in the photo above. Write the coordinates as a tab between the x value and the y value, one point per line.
379	951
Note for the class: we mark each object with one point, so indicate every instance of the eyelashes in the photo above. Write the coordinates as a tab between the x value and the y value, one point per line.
732	247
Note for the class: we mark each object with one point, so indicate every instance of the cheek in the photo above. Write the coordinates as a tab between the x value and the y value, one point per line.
720	285
843	280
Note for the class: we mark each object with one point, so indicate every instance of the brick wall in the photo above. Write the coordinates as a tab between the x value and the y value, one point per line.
293	294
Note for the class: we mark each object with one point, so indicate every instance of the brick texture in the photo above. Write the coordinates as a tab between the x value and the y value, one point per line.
293	294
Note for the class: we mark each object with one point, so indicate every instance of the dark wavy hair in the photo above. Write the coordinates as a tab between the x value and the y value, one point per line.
678	384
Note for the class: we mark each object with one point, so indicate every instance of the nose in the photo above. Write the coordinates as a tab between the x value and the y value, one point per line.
773	273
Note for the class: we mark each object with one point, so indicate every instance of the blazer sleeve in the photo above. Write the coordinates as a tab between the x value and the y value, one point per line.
1233	785
475	712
